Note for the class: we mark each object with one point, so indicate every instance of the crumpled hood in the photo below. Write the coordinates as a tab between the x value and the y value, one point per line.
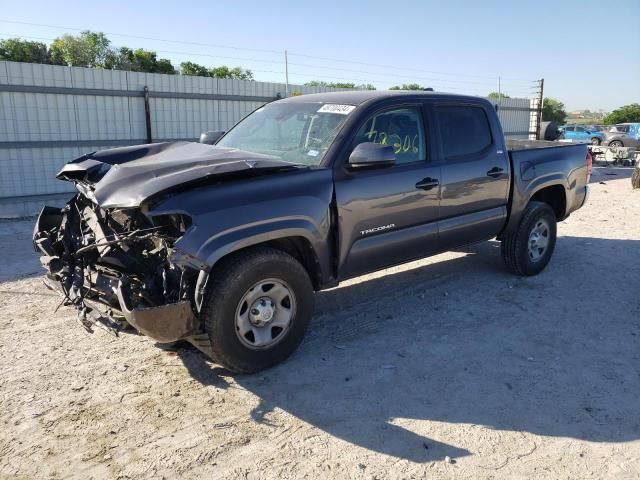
127	176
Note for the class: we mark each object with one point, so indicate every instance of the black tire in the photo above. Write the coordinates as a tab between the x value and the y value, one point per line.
635	178
230	281
616	143
515	247
595	141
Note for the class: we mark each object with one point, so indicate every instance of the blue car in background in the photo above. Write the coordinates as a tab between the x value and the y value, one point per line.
581	133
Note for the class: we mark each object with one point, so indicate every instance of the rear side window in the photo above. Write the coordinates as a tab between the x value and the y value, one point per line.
570	129
464	130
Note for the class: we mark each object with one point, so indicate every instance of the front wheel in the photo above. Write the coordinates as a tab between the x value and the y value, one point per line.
528	250
257	309
616	143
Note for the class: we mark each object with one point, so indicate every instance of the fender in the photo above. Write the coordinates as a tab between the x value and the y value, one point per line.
235	215
523	192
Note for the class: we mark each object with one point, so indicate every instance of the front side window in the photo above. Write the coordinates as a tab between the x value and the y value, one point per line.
299	133
401	128
580	129
464	130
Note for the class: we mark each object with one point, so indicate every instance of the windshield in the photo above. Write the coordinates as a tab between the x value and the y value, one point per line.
294	132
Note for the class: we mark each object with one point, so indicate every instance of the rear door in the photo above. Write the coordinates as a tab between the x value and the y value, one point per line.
388	215
475	173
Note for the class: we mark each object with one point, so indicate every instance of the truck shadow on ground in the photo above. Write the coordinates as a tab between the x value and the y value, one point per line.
463	342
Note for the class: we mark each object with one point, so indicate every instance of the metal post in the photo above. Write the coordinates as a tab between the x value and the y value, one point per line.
286	75
540	105
499	90
147	114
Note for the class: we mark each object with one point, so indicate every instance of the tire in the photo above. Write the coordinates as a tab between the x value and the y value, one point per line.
616	143
635	178
517	255
240	283
595	141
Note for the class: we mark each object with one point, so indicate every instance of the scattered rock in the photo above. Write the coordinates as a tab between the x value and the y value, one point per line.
107	457
448	459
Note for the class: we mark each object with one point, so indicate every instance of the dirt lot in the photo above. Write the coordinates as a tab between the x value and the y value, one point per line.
448	367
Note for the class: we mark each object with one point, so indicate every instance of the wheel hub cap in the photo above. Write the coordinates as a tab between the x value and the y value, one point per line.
264	314
538	240
261	311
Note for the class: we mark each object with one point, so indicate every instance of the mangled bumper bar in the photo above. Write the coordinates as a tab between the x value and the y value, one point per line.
102	295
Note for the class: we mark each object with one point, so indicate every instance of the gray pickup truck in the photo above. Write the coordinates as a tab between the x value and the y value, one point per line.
223	244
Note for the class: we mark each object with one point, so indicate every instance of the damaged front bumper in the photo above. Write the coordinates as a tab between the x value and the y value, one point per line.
114	267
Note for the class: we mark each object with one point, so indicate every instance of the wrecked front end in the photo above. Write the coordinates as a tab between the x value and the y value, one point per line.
114	266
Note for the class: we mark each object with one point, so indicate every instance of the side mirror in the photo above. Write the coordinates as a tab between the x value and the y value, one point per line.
210	138
371	155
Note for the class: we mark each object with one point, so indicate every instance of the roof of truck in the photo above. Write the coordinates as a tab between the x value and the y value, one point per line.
357	97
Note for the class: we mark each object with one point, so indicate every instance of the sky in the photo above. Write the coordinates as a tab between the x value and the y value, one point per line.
587	59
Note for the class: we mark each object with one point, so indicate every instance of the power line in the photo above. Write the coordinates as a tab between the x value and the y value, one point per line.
143	38
279	52
440	83
401	68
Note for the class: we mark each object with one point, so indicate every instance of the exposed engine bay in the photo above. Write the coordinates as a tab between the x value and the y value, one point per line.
113	266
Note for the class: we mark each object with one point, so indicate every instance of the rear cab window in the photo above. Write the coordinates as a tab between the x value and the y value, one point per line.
464	130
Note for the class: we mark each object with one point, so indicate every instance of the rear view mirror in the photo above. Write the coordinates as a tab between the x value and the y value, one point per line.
371	155
210	138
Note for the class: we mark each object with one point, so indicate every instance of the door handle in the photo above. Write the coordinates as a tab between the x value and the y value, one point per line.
495	172
427	183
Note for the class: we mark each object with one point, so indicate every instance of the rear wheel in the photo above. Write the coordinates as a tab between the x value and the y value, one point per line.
257	309
616	143
595	141
528	250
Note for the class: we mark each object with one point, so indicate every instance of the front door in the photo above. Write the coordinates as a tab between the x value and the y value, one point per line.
389	215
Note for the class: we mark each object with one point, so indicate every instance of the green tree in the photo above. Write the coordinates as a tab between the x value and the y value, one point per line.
225	72
627	113
139	60
408	86
89	49
497	96
319	83
18	50
190	68
553	111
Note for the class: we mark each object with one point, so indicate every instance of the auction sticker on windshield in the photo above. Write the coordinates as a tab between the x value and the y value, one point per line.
334	108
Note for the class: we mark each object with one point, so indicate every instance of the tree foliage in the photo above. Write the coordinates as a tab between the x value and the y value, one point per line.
139	60
360	86
93	49
196	70
18	50
627	113
553	111
89	49
497	95
408	86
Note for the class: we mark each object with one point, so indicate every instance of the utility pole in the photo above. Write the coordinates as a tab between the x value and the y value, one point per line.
540	105
499	90
286	75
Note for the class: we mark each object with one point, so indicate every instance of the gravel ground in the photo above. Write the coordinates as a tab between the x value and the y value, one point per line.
447	367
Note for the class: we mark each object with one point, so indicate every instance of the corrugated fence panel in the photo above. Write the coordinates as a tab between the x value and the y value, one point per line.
51	114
